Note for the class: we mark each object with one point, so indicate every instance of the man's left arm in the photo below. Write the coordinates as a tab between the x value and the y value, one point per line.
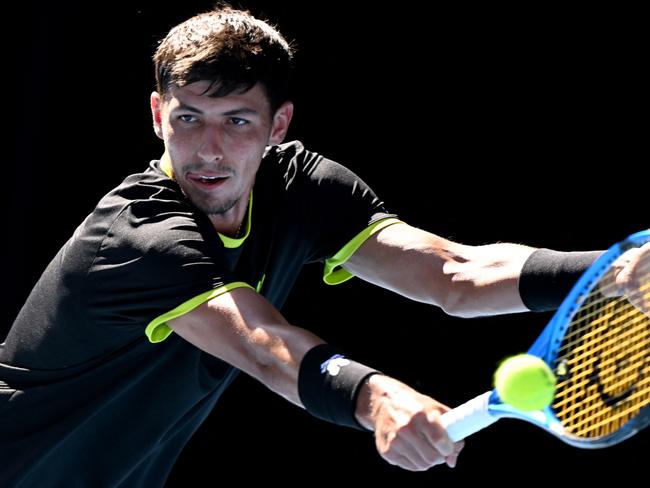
471	281
465	281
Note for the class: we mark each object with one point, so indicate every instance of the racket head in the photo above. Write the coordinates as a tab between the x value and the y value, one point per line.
598	346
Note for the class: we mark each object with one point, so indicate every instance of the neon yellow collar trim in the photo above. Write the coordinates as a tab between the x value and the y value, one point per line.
228	242
166	166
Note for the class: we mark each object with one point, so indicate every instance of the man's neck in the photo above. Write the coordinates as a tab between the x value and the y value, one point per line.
233	222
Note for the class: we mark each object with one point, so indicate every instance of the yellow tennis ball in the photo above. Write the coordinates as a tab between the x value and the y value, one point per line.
526	382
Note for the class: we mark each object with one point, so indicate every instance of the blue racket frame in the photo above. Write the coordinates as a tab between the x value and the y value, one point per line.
547	344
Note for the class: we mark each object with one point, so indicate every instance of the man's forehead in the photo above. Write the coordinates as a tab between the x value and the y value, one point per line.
193	97
202	90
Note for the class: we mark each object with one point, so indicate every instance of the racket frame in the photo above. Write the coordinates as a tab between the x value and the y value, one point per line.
487	408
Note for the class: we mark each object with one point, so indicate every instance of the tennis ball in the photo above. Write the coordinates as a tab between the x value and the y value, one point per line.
525	381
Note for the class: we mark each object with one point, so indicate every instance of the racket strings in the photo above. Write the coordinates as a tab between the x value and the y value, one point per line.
600	323
593	306
603	364
596	300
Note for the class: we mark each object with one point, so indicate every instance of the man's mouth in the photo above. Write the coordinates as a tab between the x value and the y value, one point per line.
207	181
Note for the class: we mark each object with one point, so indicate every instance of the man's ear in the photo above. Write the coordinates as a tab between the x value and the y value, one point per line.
156	113
281	121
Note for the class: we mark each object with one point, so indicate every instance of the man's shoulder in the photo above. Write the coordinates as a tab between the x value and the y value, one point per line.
149	191
293	153
143	208
290	164
152	183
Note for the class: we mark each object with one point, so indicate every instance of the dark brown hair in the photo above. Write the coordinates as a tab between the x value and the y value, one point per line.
229	48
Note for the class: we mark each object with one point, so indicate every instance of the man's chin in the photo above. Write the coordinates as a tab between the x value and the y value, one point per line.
208	203
215	208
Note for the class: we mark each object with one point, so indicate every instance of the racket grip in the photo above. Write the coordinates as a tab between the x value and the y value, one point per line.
468	418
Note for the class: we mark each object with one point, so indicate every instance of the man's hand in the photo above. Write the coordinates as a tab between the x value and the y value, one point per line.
407	429
630	277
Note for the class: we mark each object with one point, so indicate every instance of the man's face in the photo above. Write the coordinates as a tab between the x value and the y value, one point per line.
216	144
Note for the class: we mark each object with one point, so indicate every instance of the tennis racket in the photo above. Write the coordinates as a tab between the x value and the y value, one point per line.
598	346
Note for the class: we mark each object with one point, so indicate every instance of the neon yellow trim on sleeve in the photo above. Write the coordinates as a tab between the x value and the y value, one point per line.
158	330
229	242
333	276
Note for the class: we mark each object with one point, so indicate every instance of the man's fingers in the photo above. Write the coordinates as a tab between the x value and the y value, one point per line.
408	431
633	280
425	442
452	459
413	454
437	435
402	461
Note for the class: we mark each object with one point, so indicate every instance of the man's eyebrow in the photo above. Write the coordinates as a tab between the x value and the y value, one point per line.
189	108
229	113
241	111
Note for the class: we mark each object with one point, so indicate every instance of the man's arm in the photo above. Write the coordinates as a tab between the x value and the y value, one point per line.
243	329
465	281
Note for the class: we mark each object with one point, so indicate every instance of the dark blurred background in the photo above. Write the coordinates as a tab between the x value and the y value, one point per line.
480	124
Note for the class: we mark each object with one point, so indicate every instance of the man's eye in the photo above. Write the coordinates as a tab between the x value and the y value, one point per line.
187	118
238	121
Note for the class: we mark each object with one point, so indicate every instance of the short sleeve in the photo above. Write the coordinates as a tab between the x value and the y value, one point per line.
339	206
156	258
333	208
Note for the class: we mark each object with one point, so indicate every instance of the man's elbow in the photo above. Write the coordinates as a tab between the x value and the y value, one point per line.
460	300
461	310
470	300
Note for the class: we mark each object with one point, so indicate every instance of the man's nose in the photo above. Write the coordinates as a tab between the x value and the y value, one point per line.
211	145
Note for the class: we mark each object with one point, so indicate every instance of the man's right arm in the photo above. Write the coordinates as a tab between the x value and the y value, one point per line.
243	329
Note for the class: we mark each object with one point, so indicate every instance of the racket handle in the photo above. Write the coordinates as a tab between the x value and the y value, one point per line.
468	418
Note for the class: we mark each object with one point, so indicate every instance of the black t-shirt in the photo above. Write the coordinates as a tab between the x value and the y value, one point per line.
95	390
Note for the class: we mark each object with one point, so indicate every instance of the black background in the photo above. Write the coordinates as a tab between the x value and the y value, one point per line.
480	124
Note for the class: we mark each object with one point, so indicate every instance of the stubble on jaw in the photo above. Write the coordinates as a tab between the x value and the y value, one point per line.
206	207
202	203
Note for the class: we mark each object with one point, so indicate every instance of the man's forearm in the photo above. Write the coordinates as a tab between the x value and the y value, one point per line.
243	329
484	280
465	281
